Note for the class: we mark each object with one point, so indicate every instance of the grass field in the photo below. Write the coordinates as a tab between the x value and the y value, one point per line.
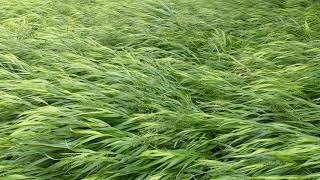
159	89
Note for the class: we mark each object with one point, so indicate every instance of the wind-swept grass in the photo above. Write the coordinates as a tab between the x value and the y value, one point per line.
159	89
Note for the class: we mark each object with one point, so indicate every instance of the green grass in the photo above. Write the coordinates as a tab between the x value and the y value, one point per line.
159	89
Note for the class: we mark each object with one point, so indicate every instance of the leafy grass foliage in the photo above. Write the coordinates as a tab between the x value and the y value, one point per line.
159	89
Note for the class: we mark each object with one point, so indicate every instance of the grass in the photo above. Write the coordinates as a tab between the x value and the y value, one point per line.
179	89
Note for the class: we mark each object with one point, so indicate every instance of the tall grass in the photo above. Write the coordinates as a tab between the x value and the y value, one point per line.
179	89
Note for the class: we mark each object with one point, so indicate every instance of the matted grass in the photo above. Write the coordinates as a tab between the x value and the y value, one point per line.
170	89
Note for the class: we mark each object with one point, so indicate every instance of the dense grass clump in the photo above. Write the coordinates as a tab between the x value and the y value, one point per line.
159	89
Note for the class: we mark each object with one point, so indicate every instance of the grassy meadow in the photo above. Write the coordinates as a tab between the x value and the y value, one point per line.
159	89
